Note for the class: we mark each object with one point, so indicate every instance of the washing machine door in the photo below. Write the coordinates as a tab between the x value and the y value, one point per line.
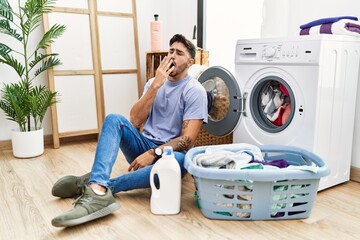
224	100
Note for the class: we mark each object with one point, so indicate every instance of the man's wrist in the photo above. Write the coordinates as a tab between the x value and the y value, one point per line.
151	151
156	152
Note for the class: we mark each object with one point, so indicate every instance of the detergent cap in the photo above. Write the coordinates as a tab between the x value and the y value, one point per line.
168	151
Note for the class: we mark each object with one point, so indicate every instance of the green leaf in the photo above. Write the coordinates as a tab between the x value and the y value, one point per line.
31	24
13	103
39	58
34	9
51	62
6	28
54	32
40	99
4	50
14	63
5	10
38	7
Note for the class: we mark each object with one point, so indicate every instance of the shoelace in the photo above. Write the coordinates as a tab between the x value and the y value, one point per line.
82	198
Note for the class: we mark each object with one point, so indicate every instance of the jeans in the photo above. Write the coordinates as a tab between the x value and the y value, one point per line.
118	133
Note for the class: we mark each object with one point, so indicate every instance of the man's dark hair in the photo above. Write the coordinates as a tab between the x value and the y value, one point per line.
188	44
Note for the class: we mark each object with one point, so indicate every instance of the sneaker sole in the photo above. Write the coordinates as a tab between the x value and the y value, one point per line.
95	215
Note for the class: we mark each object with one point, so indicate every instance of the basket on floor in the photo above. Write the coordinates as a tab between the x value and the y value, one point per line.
255	194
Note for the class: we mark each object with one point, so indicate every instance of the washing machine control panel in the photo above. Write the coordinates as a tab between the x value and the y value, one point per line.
278	52
282	52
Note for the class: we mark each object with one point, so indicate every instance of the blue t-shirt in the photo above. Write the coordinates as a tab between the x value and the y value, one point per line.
175	102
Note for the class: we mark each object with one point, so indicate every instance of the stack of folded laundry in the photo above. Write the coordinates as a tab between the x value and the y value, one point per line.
344	25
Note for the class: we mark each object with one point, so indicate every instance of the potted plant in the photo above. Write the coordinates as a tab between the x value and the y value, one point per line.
23	101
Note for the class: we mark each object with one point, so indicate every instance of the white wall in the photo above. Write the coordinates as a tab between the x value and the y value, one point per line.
275	18
284	17
226	22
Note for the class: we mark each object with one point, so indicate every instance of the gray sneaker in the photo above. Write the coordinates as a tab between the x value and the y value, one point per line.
70	186
88	206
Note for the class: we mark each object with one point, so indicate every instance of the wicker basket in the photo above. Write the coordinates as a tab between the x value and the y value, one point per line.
204	138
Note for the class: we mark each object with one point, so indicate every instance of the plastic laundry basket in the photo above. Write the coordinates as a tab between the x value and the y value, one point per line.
258	194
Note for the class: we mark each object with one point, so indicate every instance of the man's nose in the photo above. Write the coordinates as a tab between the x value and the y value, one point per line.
172	55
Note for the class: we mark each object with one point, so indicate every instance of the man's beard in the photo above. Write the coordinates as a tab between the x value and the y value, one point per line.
178	70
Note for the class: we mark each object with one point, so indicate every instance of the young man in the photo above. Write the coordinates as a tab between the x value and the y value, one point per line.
171	110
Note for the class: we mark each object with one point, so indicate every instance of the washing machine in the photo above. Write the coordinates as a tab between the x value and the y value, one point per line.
298	91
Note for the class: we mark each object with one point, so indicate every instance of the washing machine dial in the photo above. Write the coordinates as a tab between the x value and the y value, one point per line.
269	52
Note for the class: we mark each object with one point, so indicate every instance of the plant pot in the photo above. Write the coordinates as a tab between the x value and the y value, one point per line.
27	144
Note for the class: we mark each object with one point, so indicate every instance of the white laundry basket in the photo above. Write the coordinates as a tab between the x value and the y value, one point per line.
258	194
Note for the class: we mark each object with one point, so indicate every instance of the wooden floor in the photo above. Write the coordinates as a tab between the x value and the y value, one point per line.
27	207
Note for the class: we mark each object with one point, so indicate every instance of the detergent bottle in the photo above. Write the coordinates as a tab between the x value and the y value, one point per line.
156	34
166	197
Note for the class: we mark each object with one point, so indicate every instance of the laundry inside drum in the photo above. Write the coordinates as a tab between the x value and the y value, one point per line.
276	103
218	98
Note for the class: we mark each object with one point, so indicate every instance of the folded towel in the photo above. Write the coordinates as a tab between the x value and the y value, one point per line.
341	27
352	27
225	159
232	156
326	20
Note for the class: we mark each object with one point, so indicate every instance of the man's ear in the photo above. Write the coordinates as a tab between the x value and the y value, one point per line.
191	61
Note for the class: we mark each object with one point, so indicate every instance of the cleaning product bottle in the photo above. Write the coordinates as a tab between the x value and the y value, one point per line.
166	197
156	34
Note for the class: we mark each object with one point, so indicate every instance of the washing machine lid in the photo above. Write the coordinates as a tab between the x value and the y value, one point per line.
224	100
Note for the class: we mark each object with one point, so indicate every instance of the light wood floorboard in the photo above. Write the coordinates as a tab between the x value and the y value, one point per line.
27	207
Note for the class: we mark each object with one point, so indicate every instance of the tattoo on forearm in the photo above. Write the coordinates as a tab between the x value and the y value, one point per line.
185	124
180	144
183	143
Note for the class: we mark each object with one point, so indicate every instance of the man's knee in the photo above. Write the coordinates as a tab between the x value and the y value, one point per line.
113	118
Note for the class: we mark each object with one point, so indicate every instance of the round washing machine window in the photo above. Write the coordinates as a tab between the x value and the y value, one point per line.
218	98
223	100
272	104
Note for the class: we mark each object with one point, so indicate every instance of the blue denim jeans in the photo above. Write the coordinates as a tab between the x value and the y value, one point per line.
118	133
